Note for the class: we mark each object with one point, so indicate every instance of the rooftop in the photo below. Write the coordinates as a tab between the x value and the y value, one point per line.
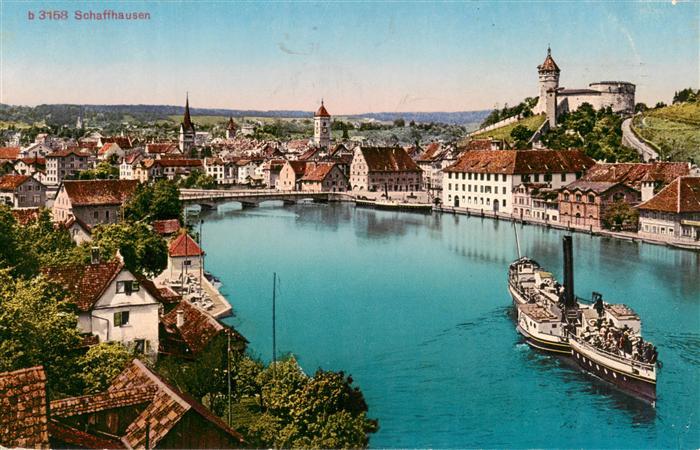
23	415
522	162
10	183
85	283
681	196
388	159
99	192
183	245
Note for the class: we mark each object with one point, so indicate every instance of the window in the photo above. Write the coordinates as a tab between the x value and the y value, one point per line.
537	178
107	215
547	177
121	318
563	177
504	190
566	197
504	177
481	177
591	198
95	214
578	197
127	287
488	177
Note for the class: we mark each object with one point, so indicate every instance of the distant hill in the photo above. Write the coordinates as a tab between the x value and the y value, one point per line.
65	114
673	130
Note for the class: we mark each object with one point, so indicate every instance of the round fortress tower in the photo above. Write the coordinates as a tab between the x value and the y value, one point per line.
619	95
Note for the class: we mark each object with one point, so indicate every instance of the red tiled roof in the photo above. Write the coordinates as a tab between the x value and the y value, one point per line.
85	283
132	158
632	174
317	171
9	152
479	144
34	161
166	147
388	159
594	186
107	147
322	112
432	151
681	196
9	183
87	404
184	245
169	226
121	141
23	419
99	192
549	64
169	405
178	162
198	327
299	167
80	439
522	161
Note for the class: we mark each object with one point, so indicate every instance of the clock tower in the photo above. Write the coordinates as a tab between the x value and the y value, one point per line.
322	127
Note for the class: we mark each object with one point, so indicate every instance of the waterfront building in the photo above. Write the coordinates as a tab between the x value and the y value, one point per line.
290	176
92	201
436	158
536	202
22	191
112	303
647	178
554	100
224	172
322	127
63	164
245	170
673	213
485	180
323	177
271	172
187	133
584	203
184	257
378	169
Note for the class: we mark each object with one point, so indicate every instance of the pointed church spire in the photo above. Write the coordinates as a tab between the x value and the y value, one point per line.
187	121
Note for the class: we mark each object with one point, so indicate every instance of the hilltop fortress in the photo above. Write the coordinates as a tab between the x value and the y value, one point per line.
555	100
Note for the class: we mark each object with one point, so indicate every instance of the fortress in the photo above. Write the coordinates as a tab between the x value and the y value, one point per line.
555	100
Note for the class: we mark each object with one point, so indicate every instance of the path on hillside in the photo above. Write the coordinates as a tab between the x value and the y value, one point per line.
631	140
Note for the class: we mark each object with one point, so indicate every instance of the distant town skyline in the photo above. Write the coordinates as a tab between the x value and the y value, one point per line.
360	57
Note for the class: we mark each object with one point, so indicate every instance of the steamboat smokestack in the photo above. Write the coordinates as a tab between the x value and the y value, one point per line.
569	297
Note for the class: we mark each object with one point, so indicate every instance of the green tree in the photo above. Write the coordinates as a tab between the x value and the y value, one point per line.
102	171
101	364
621	216
16	253
144	251
157	201
52	244
399	123
521	134
38	327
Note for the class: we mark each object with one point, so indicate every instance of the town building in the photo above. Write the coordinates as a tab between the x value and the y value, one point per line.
673	213
536	202
584	203
380	169
647	178
187	133
166	227
271	172
109	150
435	158
554	100
485	180
224	172
323	177
65	164
157	150
184	257
113	304
128	165
93	202
166	168
30	166
290	176
22	191
322	127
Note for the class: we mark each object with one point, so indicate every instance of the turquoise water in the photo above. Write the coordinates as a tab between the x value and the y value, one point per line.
415	307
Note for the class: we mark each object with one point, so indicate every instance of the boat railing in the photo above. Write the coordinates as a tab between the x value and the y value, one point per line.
607	354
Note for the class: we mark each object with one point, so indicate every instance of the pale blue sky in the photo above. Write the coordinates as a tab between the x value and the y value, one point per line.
359	56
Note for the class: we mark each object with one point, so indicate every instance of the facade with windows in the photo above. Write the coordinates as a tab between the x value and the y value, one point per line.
92	201
673	213
64	164
379	169
485	179
22	191
536	202
584	203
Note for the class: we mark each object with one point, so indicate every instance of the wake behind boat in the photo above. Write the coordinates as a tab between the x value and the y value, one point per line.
603	339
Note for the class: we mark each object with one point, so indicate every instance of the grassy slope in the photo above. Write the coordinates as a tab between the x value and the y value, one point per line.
532	123
674	130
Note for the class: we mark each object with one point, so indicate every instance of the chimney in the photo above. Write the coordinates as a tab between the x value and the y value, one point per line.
569	297
94	255
180	320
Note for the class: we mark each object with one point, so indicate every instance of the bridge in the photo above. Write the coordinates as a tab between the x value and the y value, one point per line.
211	198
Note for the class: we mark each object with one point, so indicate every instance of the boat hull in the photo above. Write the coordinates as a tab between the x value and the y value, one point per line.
558	348
518	299
636	386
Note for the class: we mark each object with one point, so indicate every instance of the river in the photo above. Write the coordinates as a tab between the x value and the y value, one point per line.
416	308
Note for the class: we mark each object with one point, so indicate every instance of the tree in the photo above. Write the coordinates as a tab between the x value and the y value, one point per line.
640	107
521	134
685	95
157	201
621	216
16	253
399	123
144	251
198	179
38	327
102	171
101	364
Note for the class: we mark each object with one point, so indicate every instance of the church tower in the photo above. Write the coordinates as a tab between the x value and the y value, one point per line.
231	129
187	129
322	127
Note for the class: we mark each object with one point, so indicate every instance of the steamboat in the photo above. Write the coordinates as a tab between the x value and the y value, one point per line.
603	339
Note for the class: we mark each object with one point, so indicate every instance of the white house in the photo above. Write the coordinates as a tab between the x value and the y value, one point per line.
485	179
113	304
674	213
184	257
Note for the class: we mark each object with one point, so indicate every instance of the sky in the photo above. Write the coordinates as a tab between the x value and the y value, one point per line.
359	56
